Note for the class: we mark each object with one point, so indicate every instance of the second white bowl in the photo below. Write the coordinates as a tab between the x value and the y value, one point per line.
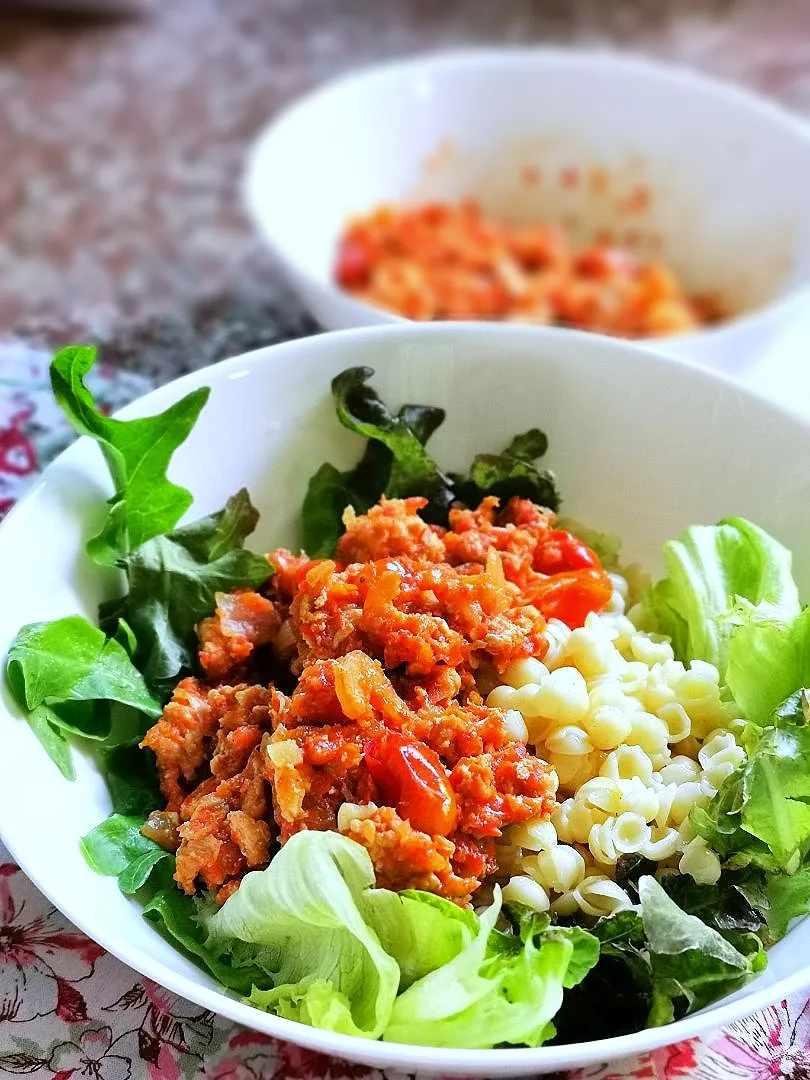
706	176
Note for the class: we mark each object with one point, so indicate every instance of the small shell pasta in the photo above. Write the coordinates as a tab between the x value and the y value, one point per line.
598	895
637	740
561	869
525	890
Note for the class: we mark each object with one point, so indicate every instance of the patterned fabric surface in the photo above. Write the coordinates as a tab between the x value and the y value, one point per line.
70	1010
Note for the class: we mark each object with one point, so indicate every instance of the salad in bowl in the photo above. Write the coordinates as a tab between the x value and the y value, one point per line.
440	767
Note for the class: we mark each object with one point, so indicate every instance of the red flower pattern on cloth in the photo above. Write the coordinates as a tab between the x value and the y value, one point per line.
70	1011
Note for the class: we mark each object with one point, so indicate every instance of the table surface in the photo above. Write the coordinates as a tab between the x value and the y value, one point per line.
120	224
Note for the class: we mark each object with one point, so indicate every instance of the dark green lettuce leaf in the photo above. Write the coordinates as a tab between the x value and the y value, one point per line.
138	452
69	678
131	779
173	580
512	472
413	471
692	964
395	463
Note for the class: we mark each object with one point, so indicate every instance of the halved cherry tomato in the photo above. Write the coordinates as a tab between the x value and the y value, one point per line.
560	550
411	777
572	595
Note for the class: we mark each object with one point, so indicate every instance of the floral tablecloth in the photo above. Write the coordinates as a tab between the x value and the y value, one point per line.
70	1010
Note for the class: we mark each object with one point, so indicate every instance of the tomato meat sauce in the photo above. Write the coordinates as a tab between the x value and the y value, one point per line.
346	697
442	261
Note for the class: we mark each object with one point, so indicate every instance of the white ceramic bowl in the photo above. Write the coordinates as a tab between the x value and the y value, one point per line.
642	445
728	173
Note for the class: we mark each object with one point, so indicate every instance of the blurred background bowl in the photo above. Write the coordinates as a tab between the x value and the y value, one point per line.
708	178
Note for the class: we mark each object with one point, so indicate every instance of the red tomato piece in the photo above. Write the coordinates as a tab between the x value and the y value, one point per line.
560	550
411	777
572	595
352	266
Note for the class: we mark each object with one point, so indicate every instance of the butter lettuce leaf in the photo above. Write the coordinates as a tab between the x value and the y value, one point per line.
768	658
306	913
710	567
501	988
137	452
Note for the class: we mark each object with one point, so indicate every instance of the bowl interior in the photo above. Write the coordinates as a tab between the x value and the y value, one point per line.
642	446
706	177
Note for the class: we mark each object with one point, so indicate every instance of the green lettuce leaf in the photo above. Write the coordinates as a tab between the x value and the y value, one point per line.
615	997
131	779
395	463
330	491
69	678
788	899
420	931
768	658
181	918
512	472
761	814
691	963
499	989
146	503
306	913
116	848
708	568
173	580
413	471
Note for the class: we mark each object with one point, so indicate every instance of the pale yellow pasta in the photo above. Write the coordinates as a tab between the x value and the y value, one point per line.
565	905
676	718
623	628
700	862
524	672
720	756
601	845
557	635
662	845
651	649
503	697
608	726
598	896
630	833
685	799
573	821
525	890
569	740
619	583
533	835
680	770
649	732
560	869
627	761
636	739
515	726
591	650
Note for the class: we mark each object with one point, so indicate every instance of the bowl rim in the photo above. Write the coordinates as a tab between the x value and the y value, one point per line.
677	75
447	1061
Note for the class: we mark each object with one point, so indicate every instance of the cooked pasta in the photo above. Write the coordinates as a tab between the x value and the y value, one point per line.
637	739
